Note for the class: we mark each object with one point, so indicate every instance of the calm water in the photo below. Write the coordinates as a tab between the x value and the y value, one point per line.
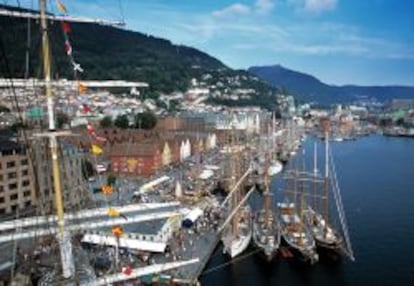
376	176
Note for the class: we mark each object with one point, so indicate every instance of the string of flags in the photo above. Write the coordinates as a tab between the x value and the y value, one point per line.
92	132
66	30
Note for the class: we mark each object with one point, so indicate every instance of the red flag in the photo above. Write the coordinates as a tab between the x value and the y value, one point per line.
90	128
66	27
86	108
128	270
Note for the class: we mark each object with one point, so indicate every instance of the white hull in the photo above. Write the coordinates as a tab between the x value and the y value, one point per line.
323	234
235	245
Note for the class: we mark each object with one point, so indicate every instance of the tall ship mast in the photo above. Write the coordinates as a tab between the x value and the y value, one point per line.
237	235
275	166
318	216
291	213
266	228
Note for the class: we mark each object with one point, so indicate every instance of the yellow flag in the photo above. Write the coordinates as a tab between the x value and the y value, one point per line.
113	212
61	7
96	150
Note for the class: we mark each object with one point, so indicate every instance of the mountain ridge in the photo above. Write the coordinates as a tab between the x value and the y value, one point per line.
309	88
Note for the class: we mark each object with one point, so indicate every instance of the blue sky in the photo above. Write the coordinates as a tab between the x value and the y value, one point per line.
339	41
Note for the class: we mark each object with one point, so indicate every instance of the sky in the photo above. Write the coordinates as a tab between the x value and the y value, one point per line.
362	42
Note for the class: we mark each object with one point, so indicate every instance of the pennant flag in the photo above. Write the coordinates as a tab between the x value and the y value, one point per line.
113	212
127	270
61	7
68	48
90	128
107	190
117	231
96	150
82	88
66	27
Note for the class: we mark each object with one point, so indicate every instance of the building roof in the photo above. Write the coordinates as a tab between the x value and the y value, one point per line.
145	149
8	145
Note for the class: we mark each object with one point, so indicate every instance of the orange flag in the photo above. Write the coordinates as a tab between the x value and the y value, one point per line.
107	190
82	88
117	231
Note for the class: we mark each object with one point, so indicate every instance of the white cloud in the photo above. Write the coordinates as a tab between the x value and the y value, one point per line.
232	10
319	6
264	6
237	9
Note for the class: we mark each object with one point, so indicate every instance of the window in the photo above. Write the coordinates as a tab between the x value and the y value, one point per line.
1	200
14	208
13	197
26	194
1	189
27	204
24	162
11	164
12	175
12	186
2	211
26	183
25	172
1	177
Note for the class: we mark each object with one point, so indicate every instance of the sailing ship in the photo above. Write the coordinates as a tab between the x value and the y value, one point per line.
236	238
293	228
325	235
266	228
237	235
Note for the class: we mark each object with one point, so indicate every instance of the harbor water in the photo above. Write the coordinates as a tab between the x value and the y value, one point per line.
376	177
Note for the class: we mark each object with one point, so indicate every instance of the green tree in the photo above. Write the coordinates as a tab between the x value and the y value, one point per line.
145	120
122	121
106	122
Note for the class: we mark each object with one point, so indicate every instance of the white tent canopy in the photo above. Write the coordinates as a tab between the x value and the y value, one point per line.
110	240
